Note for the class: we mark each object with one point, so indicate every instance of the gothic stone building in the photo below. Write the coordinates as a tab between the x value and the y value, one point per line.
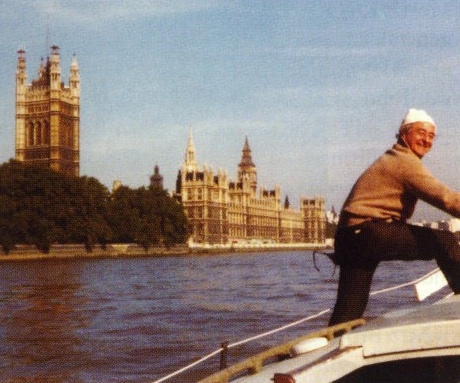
221	211
48	116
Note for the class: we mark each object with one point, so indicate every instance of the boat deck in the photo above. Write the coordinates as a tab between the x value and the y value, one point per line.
417	344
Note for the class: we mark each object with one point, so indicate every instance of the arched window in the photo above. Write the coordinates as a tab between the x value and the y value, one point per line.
46	140
38	134
30	134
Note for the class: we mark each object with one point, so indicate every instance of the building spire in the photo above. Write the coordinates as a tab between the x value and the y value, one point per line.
190	163
246	159
247	171
156	179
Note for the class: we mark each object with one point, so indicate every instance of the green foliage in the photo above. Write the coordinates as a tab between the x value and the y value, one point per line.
147	216
41	207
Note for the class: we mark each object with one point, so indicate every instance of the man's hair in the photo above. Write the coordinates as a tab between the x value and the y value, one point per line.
403	129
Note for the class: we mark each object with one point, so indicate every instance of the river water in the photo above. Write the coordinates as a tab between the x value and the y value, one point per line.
139	319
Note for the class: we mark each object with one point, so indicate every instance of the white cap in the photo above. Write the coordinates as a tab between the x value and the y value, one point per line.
416	115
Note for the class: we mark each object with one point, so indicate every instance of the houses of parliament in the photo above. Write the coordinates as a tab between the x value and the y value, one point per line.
219	211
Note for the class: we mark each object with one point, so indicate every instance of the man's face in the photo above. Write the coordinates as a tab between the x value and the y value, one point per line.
420	137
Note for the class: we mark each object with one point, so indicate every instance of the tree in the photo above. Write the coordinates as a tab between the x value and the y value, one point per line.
42	207
146	216
172	217
90	213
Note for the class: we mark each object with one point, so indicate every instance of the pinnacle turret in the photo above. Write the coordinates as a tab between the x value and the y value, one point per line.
74	80
190	163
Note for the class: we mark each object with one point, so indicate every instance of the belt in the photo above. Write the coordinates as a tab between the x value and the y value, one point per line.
349	219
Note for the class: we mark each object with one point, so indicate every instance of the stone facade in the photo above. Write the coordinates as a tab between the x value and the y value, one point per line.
48	116
221	211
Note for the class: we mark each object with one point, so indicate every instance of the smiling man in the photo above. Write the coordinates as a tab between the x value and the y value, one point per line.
373	223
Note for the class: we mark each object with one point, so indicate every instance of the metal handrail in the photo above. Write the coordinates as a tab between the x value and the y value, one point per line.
255	363
247	364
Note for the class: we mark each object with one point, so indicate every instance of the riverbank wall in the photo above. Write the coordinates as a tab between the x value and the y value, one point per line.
27	252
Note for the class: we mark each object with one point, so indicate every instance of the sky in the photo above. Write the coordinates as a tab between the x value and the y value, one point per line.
319	88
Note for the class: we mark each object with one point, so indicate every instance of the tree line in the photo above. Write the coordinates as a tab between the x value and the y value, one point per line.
41	207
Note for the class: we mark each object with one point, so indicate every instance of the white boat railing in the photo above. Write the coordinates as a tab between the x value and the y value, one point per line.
429	286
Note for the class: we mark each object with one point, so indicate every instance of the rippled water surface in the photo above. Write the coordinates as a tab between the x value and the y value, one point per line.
139	319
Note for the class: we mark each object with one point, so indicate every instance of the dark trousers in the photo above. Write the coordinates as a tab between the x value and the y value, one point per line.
359	249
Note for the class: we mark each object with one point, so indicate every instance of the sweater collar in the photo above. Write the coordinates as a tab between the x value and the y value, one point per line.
403	148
